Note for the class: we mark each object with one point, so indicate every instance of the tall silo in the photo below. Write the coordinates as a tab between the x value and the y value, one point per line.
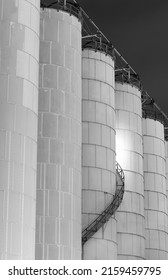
130	215
155	185
58	224
98	147
166	153
19	55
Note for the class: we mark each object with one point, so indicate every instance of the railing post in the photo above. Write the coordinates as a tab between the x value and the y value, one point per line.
58	1
80	16
70	10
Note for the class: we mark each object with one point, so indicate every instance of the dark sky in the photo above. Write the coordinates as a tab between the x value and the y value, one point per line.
139	31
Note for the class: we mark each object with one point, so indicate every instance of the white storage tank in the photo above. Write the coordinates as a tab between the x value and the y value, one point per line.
129	154
155	189
98	150
166	154
19	66
58	227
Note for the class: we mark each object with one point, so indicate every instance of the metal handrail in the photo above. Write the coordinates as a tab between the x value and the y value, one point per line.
120	172
96	43
152	111
125	76
93	227
67	6
95	27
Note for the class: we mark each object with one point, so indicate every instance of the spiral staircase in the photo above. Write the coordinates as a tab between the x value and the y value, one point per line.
93	227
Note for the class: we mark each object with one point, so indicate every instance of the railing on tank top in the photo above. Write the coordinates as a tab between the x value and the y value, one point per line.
88	232
124	75
96	43
64	5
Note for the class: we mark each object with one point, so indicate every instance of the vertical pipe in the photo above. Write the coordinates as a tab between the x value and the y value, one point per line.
155	190
129	154
59	138
98	151
19	64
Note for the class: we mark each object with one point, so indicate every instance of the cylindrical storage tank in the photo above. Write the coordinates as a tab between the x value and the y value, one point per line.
166	154
58	227
166	169
155	190
98	151
129	154
19	67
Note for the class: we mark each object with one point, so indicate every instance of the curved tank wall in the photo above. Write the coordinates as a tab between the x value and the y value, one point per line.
19	54
155	190
166	153
129	154
59	138
98	151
